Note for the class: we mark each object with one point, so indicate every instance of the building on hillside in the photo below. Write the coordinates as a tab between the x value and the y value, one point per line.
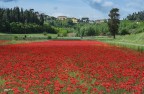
101	21
85	19
75	20
62	17
91	21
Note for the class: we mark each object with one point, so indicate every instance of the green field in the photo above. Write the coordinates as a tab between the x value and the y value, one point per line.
4	36
24	38
133	41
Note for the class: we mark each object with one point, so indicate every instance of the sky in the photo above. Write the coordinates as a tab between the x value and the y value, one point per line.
94	9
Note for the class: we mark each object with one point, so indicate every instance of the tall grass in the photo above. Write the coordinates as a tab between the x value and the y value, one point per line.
133	41
137	47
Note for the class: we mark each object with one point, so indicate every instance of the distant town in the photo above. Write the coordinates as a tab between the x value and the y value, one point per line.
76	20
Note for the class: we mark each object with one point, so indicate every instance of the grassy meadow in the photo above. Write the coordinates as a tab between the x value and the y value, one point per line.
4	36
133	41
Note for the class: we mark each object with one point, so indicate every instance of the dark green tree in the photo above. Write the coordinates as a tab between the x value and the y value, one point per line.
16	12
20	21
41	19
113	21
137	16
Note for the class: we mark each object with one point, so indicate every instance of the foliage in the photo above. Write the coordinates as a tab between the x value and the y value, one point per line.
123	31
19	21
15	37
114	21
49	37
130	27
133	41
20	15
20	28
67	23
29	37
45	33
91	29
62	32
137	16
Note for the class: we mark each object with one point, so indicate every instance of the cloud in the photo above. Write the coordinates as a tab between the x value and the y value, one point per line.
7	0
126	6
100	5
105	5
98	1
108	4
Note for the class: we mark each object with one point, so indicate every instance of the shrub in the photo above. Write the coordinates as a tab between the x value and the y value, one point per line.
49	37
24	37
62	32
124	32
45	33
15	37
140	30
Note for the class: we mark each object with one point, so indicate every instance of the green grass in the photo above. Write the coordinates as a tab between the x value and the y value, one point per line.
133	41
133	38
1	84
20	38
29	36
68	38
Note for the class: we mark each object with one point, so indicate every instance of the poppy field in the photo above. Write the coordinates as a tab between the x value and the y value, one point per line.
70	67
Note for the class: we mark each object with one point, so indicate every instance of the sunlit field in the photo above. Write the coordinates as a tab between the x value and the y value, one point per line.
70	67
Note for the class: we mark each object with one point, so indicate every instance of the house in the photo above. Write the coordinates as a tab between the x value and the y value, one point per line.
75	20
62	17
101	21
85	19
91	21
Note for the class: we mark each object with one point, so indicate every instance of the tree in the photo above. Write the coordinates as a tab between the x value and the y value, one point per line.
114	21
41	19
136	16
82	32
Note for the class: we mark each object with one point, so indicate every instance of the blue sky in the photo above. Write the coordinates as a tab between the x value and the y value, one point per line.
94	9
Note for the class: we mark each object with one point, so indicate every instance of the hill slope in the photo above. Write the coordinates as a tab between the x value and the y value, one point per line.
133	38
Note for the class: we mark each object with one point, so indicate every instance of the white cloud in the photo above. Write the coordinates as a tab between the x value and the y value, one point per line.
108	4
126	7
97	1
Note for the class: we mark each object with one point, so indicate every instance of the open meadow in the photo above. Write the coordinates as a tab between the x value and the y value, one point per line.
70	67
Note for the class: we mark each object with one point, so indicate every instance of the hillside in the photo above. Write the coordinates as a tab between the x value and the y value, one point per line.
133	41
133	38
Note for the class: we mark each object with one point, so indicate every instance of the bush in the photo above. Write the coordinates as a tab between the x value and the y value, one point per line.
27	28
90	31
62	32
140	30
49	37
124	32
15	37
45	33
24	37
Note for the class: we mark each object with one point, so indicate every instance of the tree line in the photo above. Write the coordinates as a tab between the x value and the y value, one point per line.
18	20
137	16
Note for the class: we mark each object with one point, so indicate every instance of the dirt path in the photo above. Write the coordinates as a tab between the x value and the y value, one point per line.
2	42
